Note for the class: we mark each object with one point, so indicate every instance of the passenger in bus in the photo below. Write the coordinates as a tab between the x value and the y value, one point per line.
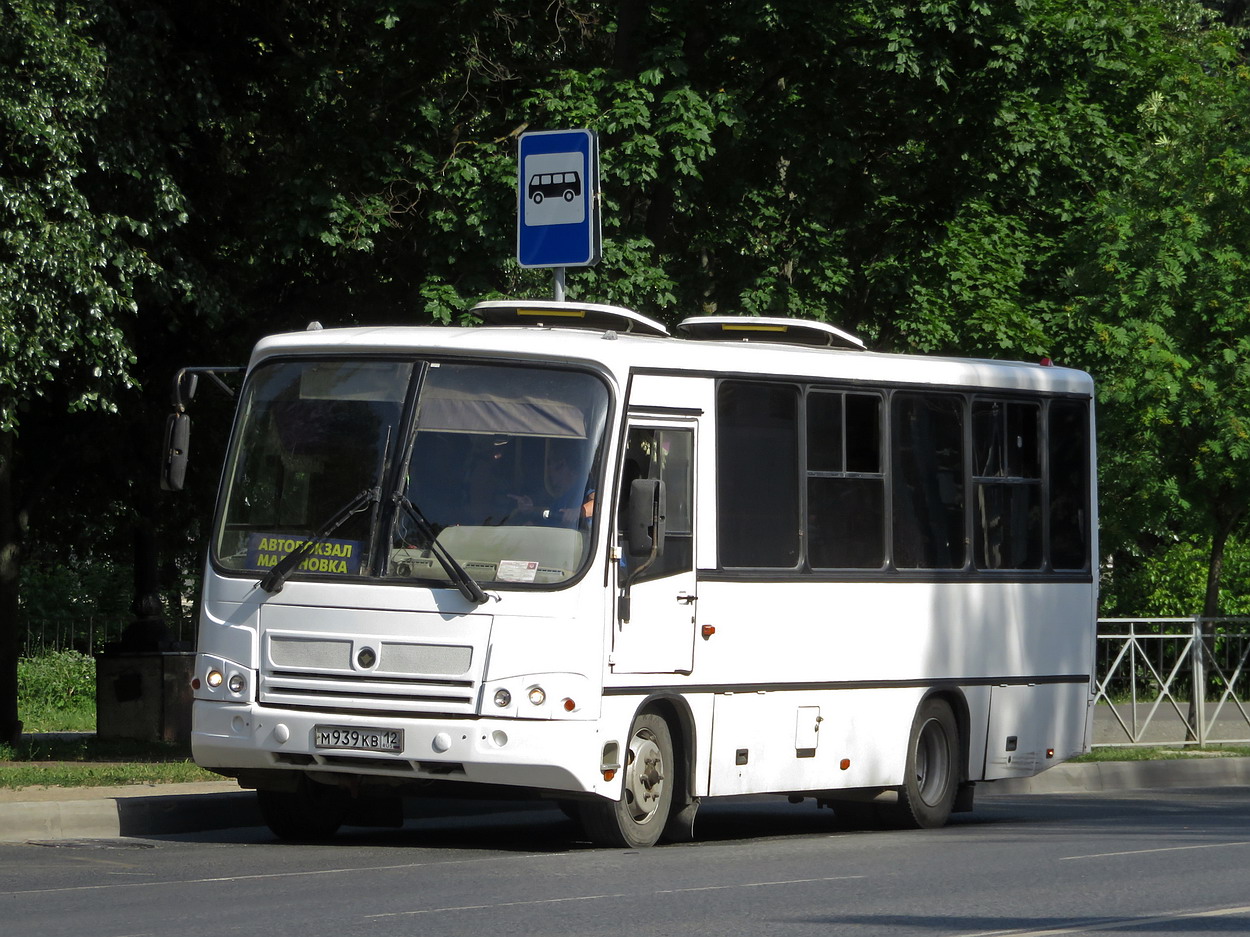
565	499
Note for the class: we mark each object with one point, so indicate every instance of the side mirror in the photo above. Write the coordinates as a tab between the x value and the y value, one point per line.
644	533
174	462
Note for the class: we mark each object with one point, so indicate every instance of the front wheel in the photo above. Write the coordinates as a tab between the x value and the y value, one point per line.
932	779
638	818
309	813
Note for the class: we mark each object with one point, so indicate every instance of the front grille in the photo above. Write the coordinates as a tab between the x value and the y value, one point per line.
320	673
394	657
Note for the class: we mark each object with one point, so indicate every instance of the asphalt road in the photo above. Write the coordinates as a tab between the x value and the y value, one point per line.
1150	863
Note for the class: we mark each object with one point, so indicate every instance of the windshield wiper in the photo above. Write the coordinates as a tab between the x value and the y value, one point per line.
272	583
463	581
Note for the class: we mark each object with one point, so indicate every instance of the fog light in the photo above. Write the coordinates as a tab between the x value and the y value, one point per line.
503	699
236	683
214	678
537	695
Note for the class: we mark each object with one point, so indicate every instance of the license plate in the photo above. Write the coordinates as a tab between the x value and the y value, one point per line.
359	739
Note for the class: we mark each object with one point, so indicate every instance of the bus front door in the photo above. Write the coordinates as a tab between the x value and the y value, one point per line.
658	614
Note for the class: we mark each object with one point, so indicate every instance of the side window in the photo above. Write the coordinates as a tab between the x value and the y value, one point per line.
845	481
1068	451
668	454
928	481
757	474
1007	478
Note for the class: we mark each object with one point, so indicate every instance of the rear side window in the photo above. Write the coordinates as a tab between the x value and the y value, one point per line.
927	439
757	456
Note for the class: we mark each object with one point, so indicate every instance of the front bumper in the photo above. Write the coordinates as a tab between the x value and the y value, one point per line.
545	755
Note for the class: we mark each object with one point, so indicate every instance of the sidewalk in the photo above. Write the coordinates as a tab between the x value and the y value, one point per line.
49	814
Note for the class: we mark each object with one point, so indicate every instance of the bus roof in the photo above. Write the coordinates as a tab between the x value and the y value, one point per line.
623	353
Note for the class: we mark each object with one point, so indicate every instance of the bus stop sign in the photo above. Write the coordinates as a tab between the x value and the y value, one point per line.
557	199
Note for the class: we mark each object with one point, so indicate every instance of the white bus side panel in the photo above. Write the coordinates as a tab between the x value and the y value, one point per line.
1033	727
771	741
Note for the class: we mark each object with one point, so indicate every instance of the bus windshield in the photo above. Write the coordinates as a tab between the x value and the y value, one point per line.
495	466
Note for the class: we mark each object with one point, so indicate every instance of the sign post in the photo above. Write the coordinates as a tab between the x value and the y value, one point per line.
558	222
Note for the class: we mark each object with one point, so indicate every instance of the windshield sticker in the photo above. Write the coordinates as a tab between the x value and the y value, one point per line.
517	570
338	557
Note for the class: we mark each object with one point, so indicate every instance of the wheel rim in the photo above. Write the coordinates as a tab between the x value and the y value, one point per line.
933	759
645	776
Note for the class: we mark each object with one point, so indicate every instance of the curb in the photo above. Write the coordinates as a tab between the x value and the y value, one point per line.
1107	776
52	814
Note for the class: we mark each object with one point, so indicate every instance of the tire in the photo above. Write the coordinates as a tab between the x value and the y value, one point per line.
312	812
568	195
637	820
537	197
932	779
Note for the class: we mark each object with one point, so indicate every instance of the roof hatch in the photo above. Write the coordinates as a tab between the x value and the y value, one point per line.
551	314
767	329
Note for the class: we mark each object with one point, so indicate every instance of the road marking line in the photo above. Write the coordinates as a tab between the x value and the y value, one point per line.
260	876
666	891
1143	852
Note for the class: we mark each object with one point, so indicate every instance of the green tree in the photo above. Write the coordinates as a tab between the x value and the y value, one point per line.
1168	279
63	266
1013	178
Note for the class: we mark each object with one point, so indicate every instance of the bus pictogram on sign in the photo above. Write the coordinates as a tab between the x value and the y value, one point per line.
565	185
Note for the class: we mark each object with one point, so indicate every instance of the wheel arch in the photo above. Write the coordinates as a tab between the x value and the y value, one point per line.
675	711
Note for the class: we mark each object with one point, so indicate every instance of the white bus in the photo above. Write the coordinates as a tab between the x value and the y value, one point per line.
571	555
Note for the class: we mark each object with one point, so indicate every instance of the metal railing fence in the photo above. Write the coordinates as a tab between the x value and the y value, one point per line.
88	634
1172	681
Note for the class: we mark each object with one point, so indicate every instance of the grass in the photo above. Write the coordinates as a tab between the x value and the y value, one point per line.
89	762
42	719
1160	753
56	692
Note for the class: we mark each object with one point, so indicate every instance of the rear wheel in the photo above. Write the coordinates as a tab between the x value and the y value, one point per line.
311	812
638	818
932	779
